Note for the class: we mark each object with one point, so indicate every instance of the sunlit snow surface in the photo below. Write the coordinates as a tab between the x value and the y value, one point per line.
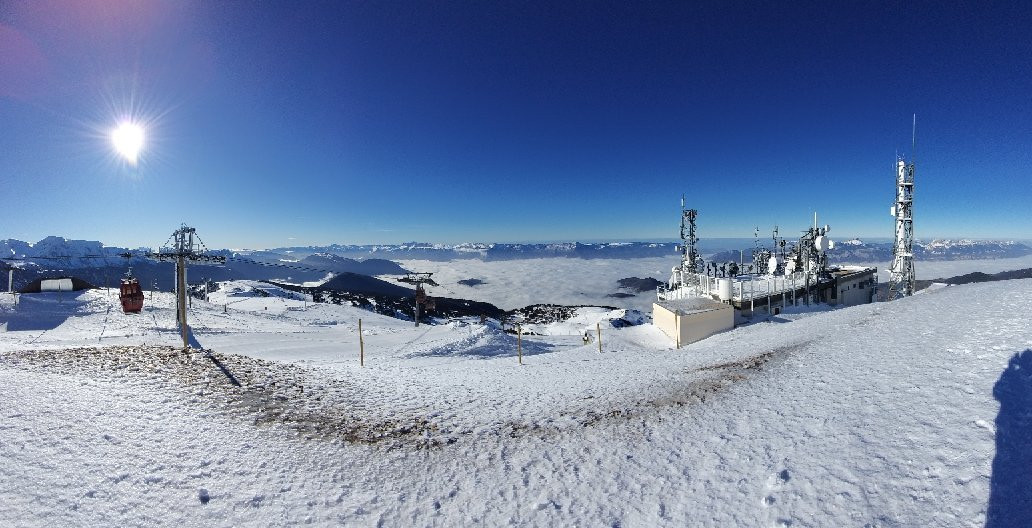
880	415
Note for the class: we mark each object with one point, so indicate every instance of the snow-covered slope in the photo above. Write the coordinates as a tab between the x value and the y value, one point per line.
878	415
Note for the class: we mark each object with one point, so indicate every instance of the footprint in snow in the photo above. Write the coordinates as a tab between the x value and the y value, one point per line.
775	484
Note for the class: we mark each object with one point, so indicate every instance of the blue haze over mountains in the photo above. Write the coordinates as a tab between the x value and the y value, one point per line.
353	266
377	259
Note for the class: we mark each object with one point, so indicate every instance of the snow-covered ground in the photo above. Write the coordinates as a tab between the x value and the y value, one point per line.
876	415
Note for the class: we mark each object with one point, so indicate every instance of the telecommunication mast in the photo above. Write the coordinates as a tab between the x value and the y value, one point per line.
901	278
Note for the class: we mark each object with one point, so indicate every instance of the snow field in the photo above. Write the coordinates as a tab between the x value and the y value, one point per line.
878	415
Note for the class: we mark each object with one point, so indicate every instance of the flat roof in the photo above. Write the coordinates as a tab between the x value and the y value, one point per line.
692	305
846	271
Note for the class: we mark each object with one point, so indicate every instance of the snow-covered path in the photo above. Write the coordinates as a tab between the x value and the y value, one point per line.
878	415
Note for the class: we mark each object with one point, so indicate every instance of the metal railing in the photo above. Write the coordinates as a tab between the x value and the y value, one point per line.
744	288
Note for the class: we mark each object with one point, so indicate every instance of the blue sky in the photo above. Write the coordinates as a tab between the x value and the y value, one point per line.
293	123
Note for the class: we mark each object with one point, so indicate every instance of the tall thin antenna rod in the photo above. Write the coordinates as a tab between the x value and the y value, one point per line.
913	141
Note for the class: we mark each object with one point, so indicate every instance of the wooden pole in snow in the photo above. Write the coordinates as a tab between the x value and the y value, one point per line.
519	343
361	346
677	329
598	328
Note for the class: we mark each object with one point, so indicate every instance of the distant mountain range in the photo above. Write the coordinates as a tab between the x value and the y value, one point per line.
309	261
335	257
482	251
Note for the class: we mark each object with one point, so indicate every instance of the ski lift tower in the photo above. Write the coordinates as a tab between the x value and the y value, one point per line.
901	278
186	246
419	279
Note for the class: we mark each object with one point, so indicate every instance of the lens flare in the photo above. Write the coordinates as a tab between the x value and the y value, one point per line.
128	140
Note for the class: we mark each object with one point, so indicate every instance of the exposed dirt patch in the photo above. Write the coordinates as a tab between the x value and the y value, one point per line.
261	392
319	406
758	361
717	380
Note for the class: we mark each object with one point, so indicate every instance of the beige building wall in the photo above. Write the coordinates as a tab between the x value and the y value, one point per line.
693	326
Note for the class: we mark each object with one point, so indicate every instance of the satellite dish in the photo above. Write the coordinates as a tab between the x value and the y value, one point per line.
821	243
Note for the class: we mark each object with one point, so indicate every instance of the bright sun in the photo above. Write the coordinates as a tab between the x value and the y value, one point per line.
128	140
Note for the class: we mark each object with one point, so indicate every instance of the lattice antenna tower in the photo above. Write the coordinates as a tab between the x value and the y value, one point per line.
690	260
901	272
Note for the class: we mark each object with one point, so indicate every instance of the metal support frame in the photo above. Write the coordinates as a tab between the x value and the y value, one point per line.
690	259
419	279
901	272
184	248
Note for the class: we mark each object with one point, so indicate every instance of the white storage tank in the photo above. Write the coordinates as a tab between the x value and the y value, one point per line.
724	289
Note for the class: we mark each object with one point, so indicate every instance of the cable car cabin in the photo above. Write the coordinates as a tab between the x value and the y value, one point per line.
131	296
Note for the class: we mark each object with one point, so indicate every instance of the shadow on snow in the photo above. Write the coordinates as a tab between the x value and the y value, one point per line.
483	343
42	311
1010	494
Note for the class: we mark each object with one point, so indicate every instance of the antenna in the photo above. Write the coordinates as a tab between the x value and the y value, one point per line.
913	141
901	271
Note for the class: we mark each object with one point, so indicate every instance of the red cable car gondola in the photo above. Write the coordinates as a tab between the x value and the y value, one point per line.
131	294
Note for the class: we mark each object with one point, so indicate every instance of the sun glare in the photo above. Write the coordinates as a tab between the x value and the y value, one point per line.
128	140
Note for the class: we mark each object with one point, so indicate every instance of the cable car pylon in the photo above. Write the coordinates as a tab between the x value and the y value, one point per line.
186	246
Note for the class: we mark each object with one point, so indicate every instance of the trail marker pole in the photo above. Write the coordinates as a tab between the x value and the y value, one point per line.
598	328
519	343
361	346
